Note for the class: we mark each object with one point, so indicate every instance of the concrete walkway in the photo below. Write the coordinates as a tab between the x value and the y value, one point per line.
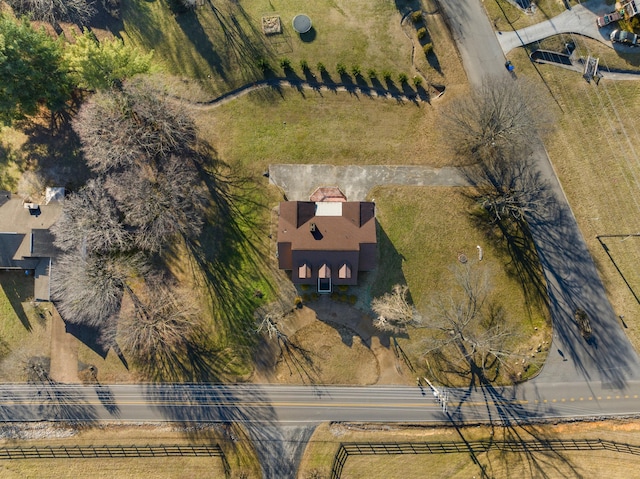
581	19
299	181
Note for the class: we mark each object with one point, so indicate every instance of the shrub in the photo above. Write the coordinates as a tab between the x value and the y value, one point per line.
341	68
304	287
335	296
416	16
314	296
263	65
422	32
386	74
304	65
417	81
343	298
352	299
372	73
321	67
427	48
285	64
356	70
297	302
403	78
343	288
305	297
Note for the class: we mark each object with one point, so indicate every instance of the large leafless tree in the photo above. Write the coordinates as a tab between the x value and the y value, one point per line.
501	116
393	310
88	289
159	324
510	188
91	221
136	125
467	329
54	11
160	204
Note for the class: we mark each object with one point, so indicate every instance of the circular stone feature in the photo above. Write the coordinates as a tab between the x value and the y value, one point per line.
301	23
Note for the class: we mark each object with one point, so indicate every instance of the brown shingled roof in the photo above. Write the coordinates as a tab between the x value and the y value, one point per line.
344	243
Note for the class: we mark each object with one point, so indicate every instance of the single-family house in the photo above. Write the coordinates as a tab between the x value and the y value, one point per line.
26	243
326	243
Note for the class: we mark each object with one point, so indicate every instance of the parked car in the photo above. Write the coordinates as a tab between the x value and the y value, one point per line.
624	37
605	20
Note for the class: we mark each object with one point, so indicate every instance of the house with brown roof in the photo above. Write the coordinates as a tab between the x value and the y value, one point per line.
326	242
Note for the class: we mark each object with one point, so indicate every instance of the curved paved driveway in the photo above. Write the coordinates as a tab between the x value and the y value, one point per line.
580	19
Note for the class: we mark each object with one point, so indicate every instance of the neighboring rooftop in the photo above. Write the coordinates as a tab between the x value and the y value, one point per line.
25	239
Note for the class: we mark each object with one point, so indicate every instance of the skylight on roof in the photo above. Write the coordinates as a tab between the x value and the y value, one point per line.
329	208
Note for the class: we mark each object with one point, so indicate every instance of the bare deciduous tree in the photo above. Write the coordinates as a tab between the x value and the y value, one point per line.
509	187
158	323
393	311
160	204
502	114
31	186
267	318
467	328
133	126
88	289
91	221
54	11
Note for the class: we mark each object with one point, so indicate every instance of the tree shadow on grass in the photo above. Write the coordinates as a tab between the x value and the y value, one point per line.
55	152
507	233
244	43
18	288
193	29
512	428
229	255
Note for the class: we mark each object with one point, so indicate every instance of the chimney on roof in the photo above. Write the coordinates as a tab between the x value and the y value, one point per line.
312	227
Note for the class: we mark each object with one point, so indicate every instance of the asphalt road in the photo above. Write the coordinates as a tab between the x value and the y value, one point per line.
273	405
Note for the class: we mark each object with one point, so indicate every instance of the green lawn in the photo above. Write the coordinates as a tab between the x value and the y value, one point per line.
427	229
267	127
23	328
220	43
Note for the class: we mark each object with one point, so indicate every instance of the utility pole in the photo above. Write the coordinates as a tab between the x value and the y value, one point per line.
441	395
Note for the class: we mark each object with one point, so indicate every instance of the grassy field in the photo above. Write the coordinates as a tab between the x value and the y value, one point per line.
24	327
552	464
220	43
333	128
240	456
443	219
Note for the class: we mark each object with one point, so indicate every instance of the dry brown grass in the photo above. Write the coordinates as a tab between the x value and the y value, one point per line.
595	150
554	464
428	228
239	456
326	354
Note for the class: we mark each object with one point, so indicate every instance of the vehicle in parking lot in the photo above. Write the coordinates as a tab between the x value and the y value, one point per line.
608	18
624	37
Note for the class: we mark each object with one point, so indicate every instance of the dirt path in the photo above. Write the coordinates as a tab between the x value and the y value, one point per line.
64	352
